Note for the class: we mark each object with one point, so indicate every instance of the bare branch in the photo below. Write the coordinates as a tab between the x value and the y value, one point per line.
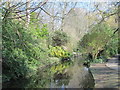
71	9
39	5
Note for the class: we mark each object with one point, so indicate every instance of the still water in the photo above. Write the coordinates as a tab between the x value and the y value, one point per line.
72	74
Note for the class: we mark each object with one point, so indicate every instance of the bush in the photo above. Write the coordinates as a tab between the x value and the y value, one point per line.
94	42
22	51
111	48
58	52
59	38
98	61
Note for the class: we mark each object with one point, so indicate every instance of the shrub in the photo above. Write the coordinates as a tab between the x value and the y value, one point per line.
98	61
111	48
58	52
59	38
22	51
94	42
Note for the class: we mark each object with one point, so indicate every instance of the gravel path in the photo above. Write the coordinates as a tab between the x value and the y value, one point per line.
104	76
114	62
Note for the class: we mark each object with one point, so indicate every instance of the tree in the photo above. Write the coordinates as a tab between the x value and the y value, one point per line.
27	12
94	42
56	12
59	38
104	15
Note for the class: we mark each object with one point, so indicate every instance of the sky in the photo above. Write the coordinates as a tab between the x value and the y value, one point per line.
86	4
69	0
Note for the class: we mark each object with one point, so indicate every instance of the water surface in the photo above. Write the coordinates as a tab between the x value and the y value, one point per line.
70	74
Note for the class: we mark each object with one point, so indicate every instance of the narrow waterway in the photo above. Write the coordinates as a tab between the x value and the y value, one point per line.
71	74
76	76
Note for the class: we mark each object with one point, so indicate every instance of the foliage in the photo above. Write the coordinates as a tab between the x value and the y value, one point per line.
98	61
111	48
23	50
92	43
59	38
58	52
37	30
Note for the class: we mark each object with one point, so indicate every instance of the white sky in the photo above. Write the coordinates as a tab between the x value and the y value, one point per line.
68	0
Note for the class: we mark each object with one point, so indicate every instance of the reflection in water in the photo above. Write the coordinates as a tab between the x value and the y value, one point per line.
68	75
76	76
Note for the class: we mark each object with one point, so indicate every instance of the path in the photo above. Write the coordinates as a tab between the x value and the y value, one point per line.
106	74
114	62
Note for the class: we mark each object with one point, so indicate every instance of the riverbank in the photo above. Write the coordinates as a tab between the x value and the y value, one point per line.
104	76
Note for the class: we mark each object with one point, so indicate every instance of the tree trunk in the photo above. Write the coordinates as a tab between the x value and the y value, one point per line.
8	3
53	18
27	13
63	15
95	55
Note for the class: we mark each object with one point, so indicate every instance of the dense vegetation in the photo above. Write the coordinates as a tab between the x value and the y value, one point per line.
59	38
28	48
25	50
21	51
99	44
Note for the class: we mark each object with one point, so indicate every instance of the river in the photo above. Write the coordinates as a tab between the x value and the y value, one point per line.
70	74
